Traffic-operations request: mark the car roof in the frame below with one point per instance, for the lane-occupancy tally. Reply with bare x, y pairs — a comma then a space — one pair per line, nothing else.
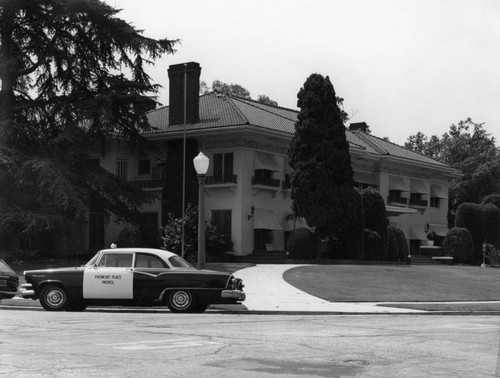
158, 252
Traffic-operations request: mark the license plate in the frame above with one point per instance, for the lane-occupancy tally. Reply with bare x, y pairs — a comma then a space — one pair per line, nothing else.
3, 283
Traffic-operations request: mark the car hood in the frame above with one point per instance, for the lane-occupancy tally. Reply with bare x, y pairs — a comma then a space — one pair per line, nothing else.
53, 270
7, 274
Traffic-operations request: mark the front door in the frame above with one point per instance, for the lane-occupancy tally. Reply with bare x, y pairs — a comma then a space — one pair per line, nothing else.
111, 278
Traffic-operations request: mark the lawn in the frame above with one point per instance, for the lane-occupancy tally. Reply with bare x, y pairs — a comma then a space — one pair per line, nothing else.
396, 283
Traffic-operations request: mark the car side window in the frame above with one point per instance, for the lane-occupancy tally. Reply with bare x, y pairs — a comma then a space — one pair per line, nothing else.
144, 260
116, 260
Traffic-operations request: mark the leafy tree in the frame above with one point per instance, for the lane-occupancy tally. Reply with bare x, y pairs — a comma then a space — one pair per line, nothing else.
322, 178
72, 73
469, 148
231, 89
374, 212
266, 100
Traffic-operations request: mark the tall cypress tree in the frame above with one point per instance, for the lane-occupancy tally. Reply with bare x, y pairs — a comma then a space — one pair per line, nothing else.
72, 73
322, 179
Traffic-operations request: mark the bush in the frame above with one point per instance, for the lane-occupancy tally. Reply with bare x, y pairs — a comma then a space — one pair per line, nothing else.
374, 213
493, 199
374, 246
392, 244
171, 236
492, 255
491, 215
403, 247
459, 244
302, 244
470, 216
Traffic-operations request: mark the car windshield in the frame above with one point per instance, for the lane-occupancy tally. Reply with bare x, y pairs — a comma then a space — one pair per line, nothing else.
4, 267
179, 262
93, 260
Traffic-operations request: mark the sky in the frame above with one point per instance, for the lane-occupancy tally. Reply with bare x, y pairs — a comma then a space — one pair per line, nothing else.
402, 66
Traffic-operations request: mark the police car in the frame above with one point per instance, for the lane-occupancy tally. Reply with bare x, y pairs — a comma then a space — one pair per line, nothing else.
132, 277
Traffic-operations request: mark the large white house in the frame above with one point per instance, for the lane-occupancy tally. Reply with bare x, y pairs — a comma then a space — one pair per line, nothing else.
247, 190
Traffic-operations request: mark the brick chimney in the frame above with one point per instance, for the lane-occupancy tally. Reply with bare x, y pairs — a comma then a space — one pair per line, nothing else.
358, 126
178, 75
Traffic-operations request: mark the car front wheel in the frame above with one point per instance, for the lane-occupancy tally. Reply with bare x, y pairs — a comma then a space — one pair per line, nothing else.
181, 301
54, 298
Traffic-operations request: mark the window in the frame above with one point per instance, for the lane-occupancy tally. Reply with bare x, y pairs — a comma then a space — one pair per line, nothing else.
114, 260
144, 167
122, 169
143, 260
223, 168
222, 220
435, 202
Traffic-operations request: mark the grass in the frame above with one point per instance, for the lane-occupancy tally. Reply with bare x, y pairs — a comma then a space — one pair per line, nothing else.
397, 283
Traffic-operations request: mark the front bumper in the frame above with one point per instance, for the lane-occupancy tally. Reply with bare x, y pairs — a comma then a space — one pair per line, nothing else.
7, 294
27, 291
233, 295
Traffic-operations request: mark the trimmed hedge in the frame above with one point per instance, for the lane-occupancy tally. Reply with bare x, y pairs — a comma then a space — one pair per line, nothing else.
470, 216
374, 246
491, 215
459, 244
302, 244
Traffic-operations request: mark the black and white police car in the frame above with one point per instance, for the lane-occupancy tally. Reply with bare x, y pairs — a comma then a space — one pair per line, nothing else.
132, 277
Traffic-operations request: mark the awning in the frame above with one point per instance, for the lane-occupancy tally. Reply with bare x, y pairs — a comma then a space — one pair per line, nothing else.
265, 219
417, 232
397, 183
438, 191
397, 210
439, 229
266, 161
290, 223
366, 178
418, 186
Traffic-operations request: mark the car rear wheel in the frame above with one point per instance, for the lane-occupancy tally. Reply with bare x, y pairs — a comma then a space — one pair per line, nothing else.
181, 301
54, 298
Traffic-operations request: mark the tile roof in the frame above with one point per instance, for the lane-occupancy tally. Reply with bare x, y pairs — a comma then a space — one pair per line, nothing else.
219, 111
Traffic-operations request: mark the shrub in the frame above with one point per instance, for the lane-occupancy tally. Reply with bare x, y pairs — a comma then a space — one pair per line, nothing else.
491, 215
392, 244
302, 244
470, 216
374, 246
494, 199
459, 244
403, 247
171, 236
374, 213
492, 255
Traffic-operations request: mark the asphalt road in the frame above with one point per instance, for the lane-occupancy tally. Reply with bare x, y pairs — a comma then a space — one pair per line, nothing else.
151, 343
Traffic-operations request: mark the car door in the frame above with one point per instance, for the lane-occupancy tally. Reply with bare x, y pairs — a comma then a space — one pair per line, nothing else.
148, 273
111, 278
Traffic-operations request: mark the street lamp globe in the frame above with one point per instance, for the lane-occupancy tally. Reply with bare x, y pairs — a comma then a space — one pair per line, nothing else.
201, 163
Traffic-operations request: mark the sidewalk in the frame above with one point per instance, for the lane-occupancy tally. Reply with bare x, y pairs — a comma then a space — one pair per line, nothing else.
266, 290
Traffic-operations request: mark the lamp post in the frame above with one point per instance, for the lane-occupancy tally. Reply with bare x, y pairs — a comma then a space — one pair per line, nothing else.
201, 163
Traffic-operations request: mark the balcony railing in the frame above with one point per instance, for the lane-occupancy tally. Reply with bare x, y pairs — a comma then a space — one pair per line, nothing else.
228, 179
418, 202
397, 200
266, 181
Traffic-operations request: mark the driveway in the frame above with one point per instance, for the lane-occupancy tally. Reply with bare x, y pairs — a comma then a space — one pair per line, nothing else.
266, 290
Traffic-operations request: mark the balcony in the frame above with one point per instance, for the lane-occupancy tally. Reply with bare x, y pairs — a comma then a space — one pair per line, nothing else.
228, 179
397, 200
266, 181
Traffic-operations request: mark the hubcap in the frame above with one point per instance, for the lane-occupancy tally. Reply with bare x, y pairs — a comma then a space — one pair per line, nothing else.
181, 299
55, 298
